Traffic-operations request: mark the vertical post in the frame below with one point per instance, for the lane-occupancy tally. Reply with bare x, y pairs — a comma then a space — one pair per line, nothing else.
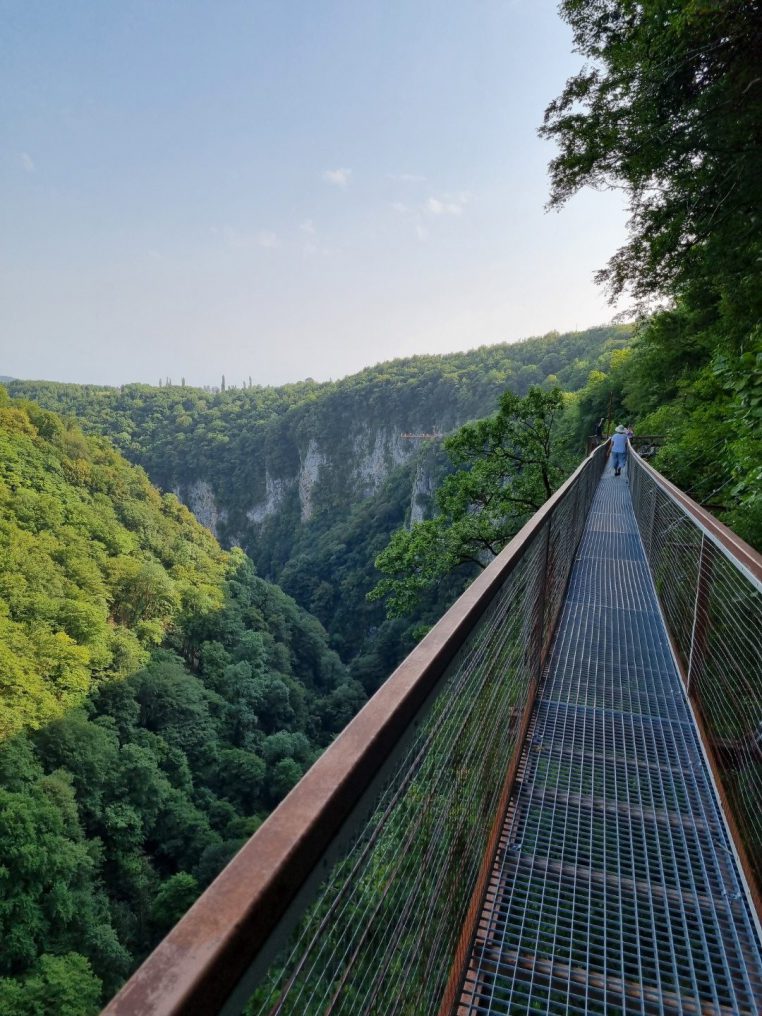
469, 931
651, 524
541, 597
700, 611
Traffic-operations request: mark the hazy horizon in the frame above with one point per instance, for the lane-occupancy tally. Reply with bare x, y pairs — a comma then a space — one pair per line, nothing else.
242, 382
283, 192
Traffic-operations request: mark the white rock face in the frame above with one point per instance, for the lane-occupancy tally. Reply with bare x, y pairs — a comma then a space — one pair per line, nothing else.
423, 488
275, 492
199, 497
309, 471
377, 452
364, 462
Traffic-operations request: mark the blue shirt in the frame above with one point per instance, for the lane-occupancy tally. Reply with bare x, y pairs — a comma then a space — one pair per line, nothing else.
619, 443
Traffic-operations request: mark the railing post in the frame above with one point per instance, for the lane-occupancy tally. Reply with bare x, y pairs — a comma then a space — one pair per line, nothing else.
700, 610
652, 522
449, 1003
541, 598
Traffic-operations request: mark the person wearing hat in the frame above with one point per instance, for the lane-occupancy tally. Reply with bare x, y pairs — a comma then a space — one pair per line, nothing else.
619, 448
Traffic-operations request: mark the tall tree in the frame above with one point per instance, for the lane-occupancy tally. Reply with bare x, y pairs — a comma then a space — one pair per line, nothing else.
670, 110
507, 466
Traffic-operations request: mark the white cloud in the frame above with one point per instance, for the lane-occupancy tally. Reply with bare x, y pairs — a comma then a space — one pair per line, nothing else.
27, 162
265, 238
312, 249
337, 177
420, 216
308, 227
446, 206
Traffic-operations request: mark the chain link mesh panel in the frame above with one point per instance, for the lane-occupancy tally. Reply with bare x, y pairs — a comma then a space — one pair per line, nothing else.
713, 610
614, 889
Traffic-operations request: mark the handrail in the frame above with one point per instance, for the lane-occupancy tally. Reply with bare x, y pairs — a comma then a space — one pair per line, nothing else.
593, 442
255, 902
742, 553
709, 584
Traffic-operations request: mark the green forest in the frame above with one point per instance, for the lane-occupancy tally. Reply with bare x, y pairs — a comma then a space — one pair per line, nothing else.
240, 440
163, 687
158, 699
668, 108
234, 438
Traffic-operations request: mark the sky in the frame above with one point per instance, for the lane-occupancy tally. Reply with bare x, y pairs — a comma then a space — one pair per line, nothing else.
281, 189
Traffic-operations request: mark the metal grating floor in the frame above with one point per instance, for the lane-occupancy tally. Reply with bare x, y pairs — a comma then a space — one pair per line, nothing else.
614, 889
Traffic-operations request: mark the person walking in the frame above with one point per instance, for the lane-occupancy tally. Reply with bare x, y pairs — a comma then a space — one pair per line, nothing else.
619, 441
599, 431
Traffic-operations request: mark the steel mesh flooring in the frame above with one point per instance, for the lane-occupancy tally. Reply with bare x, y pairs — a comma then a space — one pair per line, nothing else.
614, 889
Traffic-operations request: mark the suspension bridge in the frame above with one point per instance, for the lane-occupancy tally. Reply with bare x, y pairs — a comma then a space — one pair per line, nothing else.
554, 805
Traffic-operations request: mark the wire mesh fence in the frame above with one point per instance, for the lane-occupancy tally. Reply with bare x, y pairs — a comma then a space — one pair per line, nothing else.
383, 934
614, 889
712, 603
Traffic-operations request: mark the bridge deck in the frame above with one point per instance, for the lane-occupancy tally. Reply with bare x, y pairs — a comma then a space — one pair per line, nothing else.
614, 888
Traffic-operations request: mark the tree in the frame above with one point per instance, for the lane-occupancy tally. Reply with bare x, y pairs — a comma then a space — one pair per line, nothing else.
670, 109
142, 590
173, 898
64, 985
508, 466
286, 775
49, 899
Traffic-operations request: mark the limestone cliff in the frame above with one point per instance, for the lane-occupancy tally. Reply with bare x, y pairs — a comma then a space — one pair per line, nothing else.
200, 498
311, 479
328, 473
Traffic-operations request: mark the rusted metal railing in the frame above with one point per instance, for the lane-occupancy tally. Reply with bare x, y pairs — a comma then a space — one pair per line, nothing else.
709, 583
365, 882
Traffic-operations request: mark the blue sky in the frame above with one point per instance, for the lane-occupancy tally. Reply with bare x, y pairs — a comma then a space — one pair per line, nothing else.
282, 189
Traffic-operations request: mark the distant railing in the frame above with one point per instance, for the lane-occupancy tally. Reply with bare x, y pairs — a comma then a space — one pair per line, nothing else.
645, 444
709, 583
361, 891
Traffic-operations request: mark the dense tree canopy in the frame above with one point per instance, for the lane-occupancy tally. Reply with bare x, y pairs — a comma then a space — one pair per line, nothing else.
506, 467
157, 699
250, 443
236, 439
669, 108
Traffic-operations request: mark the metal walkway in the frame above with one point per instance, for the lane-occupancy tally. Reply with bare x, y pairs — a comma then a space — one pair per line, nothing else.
615, 888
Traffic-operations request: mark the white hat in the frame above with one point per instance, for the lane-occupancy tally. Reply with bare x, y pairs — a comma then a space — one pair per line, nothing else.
620, 429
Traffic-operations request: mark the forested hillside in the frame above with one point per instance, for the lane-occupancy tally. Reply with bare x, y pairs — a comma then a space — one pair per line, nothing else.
159, 695
312, 479
157, 700
246, 457
668, 108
